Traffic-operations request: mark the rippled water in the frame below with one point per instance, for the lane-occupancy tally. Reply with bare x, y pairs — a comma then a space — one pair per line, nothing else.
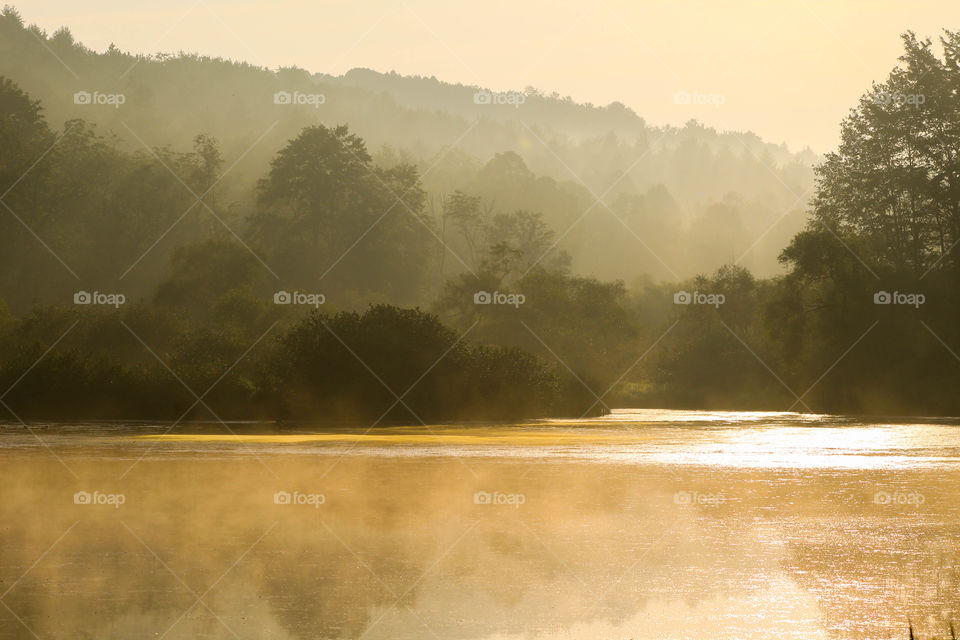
641, 524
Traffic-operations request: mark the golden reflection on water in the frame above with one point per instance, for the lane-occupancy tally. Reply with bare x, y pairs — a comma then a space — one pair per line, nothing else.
417, 435
462, 545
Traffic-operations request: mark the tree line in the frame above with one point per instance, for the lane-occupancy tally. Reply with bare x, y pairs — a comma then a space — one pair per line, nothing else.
470, 308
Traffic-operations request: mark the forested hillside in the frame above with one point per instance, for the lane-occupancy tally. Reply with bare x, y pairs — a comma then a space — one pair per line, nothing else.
675, 201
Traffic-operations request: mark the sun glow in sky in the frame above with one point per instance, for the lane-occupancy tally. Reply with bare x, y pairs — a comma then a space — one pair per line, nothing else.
788, 69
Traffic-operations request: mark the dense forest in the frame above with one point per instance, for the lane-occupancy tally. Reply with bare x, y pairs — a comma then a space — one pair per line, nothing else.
697, 197
182, 235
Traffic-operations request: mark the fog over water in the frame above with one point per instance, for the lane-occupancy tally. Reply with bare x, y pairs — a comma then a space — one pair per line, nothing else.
642, 524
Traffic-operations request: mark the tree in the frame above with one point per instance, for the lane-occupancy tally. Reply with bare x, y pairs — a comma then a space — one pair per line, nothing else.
894, 182
521, 241
886, 217
326, 210
471, 218
24, 134
317, 179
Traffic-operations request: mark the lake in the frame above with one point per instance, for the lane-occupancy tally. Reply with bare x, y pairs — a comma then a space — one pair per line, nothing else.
639, 524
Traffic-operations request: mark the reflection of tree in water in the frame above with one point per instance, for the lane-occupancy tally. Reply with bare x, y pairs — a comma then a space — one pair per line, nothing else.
602, 546
566, 562
569, 555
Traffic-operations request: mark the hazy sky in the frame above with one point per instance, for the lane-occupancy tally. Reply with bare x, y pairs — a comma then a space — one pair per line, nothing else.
786, 69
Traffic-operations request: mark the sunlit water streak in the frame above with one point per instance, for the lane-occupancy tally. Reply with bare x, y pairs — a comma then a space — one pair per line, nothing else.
771, 440
639, 524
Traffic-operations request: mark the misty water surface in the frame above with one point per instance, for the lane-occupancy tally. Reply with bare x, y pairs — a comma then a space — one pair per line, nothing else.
643, 524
